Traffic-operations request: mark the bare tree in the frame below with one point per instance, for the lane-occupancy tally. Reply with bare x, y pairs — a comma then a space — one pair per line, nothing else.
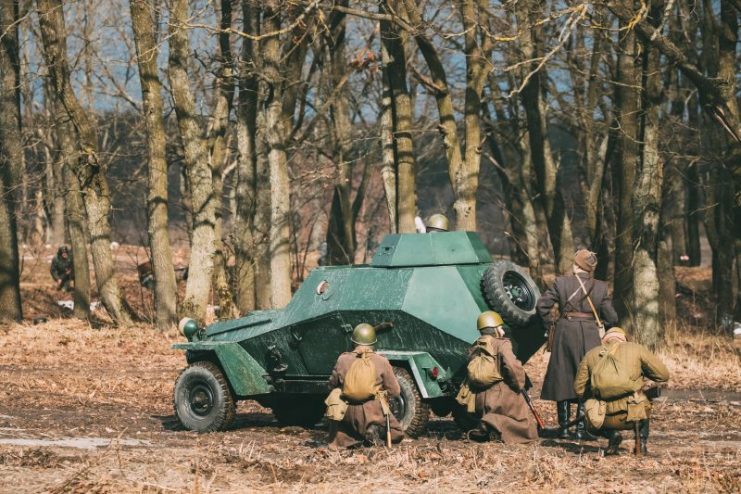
88, 169
11, 159
144, 16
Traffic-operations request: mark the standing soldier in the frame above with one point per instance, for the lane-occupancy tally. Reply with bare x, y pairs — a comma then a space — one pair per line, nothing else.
62, 269
583, 304
498, 379
611, 378
362, 382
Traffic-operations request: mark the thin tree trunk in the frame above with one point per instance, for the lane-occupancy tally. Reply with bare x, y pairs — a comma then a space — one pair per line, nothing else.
401, 104
197, 166
11, 159
246, 165
89, 170
646, 201
280, 260
388, 149
143, 19
627, 98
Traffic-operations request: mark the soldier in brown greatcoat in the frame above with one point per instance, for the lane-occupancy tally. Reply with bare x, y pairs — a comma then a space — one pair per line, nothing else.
622, 412
365, 422
503, 410
576, 333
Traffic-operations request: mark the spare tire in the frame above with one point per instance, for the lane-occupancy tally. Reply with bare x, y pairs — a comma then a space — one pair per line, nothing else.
509, 290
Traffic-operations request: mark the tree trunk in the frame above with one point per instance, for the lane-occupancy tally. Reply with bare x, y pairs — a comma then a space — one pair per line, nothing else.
197, 166
11, 159
388, 149
143, 20
646, 302
402, 114
280, 260
246, 166
627, 98
544, 165
89, 170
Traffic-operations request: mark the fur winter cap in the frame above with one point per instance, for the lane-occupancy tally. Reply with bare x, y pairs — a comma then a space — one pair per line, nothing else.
586, 260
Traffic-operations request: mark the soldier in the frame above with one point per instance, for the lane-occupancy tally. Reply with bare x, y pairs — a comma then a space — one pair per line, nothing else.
437, 223
503, 410
62, 269
580, 299
365, 419
631, 363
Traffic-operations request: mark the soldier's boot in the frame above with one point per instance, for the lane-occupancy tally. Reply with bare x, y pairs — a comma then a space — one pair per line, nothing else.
562, 407
480, 434
643, 433
581, 427
613, 443
373, 436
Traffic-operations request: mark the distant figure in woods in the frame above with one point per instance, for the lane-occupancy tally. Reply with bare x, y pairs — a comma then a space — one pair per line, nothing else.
580, 299
497, 379
63, 269
362, 384
611, 379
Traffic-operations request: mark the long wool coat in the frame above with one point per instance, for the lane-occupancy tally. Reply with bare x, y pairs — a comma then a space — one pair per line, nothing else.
575, 337
501, 406
351, 430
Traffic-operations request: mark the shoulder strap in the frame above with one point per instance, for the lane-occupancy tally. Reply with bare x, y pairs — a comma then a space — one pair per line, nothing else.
589, 299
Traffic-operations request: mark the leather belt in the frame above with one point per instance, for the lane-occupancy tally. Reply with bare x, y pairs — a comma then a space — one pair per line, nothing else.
578, 315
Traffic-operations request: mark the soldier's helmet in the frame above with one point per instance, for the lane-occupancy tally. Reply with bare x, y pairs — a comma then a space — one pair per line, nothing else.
364, 334
489, 319
437, 222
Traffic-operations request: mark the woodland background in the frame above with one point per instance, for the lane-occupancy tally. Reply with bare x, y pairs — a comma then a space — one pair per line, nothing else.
263, 134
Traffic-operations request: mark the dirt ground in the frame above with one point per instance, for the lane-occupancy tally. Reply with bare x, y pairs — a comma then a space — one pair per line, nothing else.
88, 408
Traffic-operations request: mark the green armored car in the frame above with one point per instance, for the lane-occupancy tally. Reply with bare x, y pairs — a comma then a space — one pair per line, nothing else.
422, 291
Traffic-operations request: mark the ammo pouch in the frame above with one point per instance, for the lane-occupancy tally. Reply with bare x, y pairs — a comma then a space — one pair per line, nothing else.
638, 407
336, 406
595, 411
466, 398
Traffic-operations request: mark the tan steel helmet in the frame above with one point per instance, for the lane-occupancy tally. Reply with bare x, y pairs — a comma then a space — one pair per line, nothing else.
437, 222
364, 334
489, 319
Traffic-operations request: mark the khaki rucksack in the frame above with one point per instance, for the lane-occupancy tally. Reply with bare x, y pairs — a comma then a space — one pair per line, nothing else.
483, 368
360, 380
610, 378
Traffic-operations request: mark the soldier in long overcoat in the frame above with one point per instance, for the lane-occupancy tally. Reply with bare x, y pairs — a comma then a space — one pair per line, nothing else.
622, 412
576, 333
503, 410
365, 422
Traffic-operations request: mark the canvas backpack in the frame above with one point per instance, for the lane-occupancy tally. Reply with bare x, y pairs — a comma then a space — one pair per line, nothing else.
610, 378
360, 380
484, 367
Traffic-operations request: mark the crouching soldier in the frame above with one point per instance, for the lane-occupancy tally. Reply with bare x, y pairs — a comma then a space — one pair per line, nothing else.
362, 382
498, 379
63, 269
611, 379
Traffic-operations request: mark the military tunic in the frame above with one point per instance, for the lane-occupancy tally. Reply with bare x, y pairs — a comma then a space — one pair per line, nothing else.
502, 406
574, 336
351, 430
621, 413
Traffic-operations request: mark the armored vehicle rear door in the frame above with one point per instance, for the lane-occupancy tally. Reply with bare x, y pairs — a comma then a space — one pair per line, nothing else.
320, 341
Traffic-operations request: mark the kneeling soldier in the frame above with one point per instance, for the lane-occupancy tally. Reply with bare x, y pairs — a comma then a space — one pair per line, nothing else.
362, 382
497, 378
611, 378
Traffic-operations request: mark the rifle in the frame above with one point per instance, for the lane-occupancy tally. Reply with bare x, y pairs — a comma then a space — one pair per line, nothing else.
541, 424
383, 398
637, 438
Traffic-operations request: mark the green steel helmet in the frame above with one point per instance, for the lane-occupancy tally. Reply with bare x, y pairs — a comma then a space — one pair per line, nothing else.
438, 222
364, 334
489, 319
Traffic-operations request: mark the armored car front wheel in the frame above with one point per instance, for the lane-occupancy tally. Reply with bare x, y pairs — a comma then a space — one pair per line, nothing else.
202, 400
408, 407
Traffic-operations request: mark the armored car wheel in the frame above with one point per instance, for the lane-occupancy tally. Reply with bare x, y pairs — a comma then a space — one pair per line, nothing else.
202, 400
408, 407
509, 290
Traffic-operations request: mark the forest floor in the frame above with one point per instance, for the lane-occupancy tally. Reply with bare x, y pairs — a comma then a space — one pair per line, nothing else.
88, 408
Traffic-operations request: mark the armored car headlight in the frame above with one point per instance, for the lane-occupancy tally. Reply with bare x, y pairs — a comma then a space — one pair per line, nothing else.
188, 327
